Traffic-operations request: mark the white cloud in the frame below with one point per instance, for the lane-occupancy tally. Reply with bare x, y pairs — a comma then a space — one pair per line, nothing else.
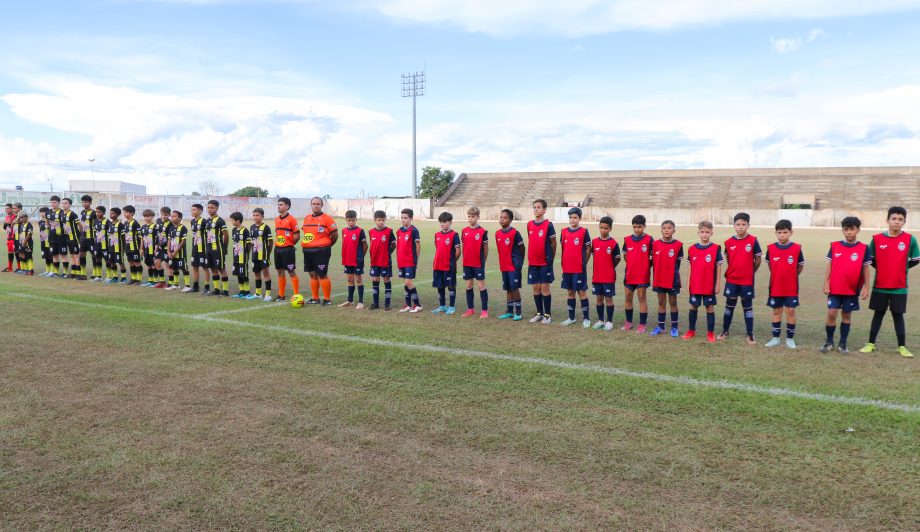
791, 44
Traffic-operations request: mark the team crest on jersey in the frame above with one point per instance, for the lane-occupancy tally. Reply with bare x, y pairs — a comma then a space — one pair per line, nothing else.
670, 252
708, 258
854, 257
902, 246
406, 238
576, 241
540, 233
790, 260
747, 248
320, 229
610, 251
354, 237
644, 248
477, 236
507, 241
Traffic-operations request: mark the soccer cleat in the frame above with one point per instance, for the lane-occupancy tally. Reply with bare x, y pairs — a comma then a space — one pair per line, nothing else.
842, 349
252, 297
225, 293
608, 326
689, 335
640, 329
506, 316
598, 325
7, 270
567, 322
868, 348
828, 346
374, 306
711, 337
345, 304
187, 289
537, 318
790, 343
484, 314
722, 336
280, 299
325, 303
237, 296
124, 280
469, 312
438, 310
108, 281
204, 292
407, 308
415, 310
313, 301
517, 317
267, 299
773, 342
626, 326
547, 319
902, 350
751, 340
450, 310
359, 306
161, 285
675, 332
656, 331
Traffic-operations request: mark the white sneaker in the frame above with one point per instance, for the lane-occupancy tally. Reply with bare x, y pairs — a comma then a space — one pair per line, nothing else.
359, 306
407, 308
772, 343
608, 326
173, 287
267, 298
416, 309
547, 320
790, 343
568, 322
598, 325
345, 304
537, 318
586, 324
187, 289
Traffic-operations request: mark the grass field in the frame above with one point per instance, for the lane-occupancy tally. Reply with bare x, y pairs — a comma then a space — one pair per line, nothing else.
125, 407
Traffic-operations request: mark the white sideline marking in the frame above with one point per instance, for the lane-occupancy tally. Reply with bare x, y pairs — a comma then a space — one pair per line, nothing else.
644, 375
416, 281
253, 305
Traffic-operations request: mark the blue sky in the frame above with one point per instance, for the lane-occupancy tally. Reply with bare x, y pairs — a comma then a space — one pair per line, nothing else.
303, 96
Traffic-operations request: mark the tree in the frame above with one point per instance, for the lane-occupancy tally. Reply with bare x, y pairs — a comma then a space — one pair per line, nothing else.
209, 188
435, 182
251, 192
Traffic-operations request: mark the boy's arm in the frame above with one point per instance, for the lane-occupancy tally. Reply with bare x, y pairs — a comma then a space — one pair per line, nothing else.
864, 293
718, 278
485, 248
827, 277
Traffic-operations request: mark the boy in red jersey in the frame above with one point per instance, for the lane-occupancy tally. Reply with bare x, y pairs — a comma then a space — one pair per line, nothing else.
705, 260
667, 254
444, 274
354, 248
576, 247
606, 252
383, 242
893, 253
845, 282
637, 248
786, 262
408, 248
511, 250
541, 250
475, 241
743, 253
8, 221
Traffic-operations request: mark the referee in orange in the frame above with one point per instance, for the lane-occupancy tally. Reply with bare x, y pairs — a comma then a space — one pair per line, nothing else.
319, 235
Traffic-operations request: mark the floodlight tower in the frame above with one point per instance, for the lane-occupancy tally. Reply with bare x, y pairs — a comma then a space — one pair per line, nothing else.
413, 86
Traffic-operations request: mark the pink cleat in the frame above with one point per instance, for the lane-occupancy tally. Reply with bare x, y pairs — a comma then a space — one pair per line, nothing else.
484, 314
626, 326
469, 312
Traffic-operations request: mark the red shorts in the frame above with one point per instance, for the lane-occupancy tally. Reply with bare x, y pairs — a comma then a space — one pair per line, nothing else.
10, 246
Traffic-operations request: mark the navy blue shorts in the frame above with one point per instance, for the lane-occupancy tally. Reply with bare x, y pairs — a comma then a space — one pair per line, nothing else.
739, 290
381, 271
354, 270
540, 274
780, 302
634, 287
511, 280
443, 279
575, 281
669, 291
407, 273
471, 272
845, 303
702, 301
604, 289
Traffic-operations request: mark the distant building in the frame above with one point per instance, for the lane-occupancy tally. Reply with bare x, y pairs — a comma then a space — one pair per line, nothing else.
110, 186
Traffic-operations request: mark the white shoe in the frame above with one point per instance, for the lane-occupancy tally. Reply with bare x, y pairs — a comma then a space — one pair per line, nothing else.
568, 322
537, 318
416, 309
173, 287
359, 306
407, 308
608, 326
187, 289
547, 320
345, 304
586, 324
267, 298
772, 343
790, 343
599, 325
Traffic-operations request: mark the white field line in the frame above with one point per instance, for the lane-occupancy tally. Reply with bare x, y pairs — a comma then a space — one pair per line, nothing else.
416, 281
592, 368
253, 305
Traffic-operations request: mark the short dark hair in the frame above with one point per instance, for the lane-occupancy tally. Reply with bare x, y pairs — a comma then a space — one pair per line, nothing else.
238, 216
509, 212
850, 221
742, 216
99, 208
380, 214
116, 210
214, 202
351, 214
130, 208
65, 198
17, 205
53, 198
638, 220
897, 210
43, 209
705, 223
148, 212
259, 210
606, 220
86, 197
668, 222
407, 212
10, 205
178, 213
540, 201
445, 217
165, 210
784, 225
286, 201
576, 211
198, 206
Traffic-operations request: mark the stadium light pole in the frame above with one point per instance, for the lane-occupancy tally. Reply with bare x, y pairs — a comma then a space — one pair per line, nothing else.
413, 86
92, 169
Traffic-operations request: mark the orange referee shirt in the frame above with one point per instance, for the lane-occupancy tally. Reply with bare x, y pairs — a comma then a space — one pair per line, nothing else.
317, 230
284, 231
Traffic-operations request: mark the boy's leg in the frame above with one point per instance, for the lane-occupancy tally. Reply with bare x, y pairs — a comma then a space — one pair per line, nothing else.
351, 287
628, 306
483, 295
830, 328
547, 299
643, 306
599, 307
691, 321
282, 283
730, 304
609, 304
375, 291
571, 305
516, 299
387, 292
359, 282
845, 321
585, 306
675, 314
662, 309
747, 305
899, 330
710, 319
452, 296
470, 305
538, 298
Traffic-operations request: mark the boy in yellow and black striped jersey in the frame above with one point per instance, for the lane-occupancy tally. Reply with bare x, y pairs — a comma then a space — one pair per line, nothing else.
24, 245
87, 237
161, 243
199, 260
43, 240
70, 224
115, 232
149, 246
101, 244
242, 248
262, 244
175, 250
133, 245
217, 239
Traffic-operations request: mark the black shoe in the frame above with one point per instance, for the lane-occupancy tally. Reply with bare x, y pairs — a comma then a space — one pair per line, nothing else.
280, 299
225, 293
326, 303
374, 306
386, 308
207, 293
312, 301
842, 349
828, 346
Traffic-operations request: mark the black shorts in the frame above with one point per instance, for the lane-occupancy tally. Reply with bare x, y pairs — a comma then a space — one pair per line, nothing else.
99, 253
46, 253
161, 254
199, 260
285, 258
73, 247
882, 302
148, 260
215, 259
115, 257
86, 245
133, 256
177, 264
259, 265
59, 247
317, 260
240, 270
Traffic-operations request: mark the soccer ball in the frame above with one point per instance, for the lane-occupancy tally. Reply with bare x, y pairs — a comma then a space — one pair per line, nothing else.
297, 301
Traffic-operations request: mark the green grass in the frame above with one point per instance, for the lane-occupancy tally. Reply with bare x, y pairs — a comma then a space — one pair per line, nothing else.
148, 419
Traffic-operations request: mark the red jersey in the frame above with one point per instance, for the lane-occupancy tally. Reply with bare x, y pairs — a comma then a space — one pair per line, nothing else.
445, 251
704, 262
638, 252
741, 253
605, 251
576, 244
406, 253
382, 243
784, 262
352, 250
666, 257
847, 262
890, 256
8, 222
508, 242
539, 235
474, 241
